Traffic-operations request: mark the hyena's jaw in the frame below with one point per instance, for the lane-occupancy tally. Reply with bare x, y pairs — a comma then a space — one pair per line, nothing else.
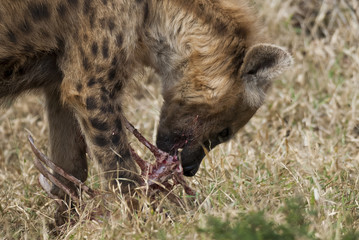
186, 136
192, 157
190, 153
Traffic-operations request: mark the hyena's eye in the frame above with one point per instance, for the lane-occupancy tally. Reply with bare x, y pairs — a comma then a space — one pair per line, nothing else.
224, 134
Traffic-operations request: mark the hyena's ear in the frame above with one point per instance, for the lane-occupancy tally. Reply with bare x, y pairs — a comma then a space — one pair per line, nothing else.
262, 63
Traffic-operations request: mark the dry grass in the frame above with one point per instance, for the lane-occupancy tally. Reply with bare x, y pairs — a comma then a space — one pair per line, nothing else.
303, 143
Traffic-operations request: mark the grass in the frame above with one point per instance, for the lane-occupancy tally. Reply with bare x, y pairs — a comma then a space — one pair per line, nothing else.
291, 173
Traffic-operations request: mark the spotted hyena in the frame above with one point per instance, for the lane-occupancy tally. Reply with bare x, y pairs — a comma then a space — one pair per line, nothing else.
210, 54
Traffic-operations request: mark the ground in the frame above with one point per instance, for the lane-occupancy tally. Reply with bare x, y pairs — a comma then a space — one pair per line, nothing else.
299, 154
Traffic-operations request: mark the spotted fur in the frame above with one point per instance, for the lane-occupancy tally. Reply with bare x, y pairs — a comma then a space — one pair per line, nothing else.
209, 54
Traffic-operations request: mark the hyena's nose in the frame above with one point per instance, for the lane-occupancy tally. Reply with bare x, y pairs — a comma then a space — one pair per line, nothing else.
190, 171
191, 159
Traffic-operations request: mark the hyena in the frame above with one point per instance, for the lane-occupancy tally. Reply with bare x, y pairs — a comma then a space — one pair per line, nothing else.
210, 54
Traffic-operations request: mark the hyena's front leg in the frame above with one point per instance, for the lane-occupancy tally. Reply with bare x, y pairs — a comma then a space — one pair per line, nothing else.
100, 116
67, 146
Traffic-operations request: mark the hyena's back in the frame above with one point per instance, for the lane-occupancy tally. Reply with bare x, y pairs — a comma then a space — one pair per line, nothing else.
32, 37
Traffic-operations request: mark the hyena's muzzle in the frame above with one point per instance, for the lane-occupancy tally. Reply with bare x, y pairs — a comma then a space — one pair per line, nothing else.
191, 153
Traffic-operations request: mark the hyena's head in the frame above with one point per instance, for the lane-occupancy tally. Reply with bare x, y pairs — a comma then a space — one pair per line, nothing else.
215, 71
214, 99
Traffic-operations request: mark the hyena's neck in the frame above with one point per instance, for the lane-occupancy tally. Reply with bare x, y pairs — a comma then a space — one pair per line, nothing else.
179, 32
162, 47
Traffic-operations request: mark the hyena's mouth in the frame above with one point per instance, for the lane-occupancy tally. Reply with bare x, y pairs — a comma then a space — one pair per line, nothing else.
191, 158
190, 171
188, 151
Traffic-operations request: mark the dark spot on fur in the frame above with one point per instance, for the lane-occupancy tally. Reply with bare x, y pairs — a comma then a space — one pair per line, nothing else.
39, 11
8, 72
118, 86
44, 33
91, 82
100, 141
25, 27
115, 90
85, 63
11, 36
86, 37
240, 32
237, 61
98, 124
73, 3
82, 53
114, 61
104, 2
125, 155
122, 55
107, 109
115, 139
112, 74
92, 20
103, 109
117, 159
6, 60
208, 18
100, 80
79, 87
21, 70
220, 26
139, 1
119, 40
111, 24
105, 48
87, 6
179, 29
146, 12
91, 103
118, 108
61, 10
118, 124
28, 48
60, 43
113, 94
102, 22
94, 49
99, 69
104, 98
104, 90
110, 109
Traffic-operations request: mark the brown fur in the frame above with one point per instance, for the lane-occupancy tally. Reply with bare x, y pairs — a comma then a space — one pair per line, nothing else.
215, 72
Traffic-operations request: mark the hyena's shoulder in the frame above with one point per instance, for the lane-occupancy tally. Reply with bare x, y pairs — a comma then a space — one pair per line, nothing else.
36, 34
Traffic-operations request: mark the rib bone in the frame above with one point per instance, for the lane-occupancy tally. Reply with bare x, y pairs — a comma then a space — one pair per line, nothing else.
156, 176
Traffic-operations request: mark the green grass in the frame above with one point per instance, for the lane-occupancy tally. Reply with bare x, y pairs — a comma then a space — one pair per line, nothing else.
256, 226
